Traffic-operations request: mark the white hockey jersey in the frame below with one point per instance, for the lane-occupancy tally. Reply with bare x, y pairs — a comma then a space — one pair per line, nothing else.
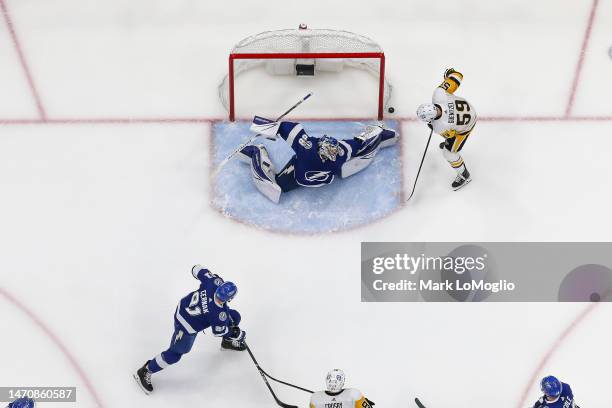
347, 398
458, 116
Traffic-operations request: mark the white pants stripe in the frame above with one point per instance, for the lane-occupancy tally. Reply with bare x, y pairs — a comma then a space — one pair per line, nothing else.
160, 361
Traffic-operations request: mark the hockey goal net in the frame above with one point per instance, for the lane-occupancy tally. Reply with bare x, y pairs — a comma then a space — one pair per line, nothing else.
305, 51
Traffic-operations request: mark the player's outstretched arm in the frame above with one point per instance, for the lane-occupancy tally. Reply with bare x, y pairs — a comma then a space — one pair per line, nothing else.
452, 80
289, 131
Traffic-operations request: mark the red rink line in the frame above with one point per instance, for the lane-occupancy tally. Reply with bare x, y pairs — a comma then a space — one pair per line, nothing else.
55, 339
105, 121
585, 45
196, 120
22, 60
537, 372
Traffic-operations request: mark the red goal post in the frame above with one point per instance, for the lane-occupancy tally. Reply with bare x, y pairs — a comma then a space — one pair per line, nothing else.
305, 52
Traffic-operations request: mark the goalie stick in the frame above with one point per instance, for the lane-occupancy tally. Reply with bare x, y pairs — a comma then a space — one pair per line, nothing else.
228, 158
419, 172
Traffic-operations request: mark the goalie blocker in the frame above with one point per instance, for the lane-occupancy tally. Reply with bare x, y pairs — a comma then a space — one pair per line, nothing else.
317, 161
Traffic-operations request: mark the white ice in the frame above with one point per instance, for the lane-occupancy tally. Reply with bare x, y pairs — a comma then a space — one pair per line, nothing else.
100, 223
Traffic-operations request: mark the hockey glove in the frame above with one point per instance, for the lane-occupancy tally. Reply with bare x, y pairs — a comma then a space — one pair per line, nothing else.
265, 127
448, 72
236, 334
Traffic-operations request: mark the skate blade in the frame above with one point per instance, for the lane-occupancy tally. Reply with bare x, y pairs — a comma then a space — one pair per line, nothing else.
139, 384
463, 185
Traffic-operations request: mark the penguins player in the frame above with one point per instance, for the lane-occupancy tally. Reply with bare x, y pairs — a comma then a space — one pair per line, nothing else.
336, 396
453, 118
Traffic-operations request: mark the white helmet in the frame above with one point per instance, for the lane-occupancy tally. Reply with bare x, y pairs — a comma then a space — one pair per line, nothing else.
427, 112
334, 381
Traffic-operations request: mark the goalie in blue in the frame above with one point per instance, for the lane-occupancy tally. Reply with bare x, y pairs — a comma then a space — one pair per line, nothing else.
206, 307
316, 162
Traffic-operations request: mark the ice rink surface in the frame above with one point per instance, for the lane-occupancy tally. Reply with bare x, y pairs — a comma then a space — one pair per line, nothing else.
105, 141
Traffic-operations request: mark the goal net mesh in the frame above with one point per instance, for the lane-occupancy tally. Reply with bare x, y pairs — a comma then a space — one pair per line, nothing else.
304, 42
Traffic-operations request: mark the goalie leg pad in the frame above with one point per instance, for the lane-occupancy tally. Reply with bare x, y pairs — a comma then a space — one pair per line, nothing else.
364, 148
369, 136
262, 171
356, 164
244, 155
388, 138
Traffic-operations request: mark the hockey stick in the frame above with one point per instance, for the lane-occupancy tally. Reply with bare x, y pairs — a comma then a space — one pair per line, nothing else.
279, 402
228, 158
419, 403
285, 383
419, 172
263, 375
261, 370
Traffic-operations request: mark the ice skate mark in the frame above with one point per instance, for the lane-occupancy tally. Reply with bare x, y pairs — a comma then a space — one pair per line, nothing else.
555, 346
583, 49
55, 339
24, 65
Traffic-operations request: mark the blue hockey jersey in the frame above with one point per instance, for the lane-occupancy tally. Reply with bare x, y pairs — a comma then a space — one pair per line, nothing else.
565, 400
198, 310
309, 169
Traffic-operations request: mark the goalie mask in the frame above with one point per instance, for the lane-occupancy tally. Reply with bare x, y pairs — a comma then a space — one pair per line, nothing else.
329, 148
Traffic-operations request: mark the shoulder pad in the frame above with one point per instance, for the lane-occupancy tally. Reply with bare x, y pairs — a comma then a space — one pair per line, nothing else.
354, 393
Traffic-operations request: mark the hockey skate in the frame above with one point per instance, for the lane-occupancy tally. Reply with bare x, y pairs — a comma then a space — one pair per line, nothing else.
143, 379
461, 180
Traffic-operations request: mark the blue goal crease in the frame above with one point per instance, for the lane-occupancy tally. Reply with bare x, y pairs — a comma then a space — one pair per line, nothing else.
347, 203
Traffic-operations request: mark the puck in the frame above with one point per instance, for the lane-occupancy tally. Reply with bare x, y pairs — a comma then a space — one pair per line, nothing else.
392, 109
